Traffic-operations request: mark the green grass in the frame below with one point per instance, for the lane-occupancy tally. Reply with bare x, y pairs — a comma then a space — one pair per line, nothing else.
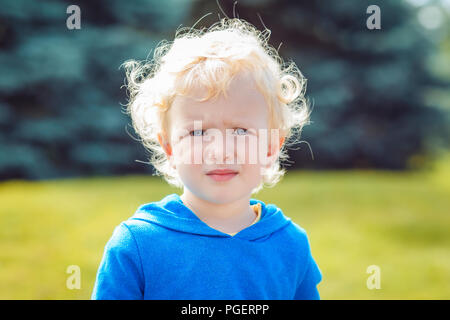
354, 219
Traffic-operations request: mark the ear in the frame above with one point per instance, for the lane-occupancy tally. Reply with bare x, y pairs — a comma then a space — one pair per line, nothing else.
165, 145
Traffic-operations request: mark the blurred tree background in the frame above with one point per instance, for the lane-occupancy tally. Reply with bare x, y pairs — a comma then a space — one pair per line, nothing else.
380, 100
380, 97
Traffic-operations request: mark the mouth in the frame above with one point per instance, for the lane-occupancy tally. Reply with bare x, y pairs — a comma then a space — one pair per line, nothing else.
222, 175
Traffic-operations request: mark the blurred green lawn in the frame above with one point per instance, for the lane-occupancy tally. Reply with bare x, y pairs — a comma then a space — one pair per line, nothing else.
354, 219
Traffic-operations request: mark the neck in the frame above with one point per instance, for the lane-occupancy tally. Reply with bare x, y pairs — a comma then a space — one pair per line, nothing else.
227, 217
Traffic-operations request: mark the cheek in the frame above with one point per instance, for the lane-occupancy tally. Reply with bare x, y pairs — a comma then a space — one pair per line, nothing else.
251, 171
188, 170
184, 153
251, 151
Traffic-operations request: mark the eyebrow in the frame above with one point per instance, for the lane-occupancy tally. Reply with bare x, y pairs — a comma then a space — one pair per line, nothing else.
190, 122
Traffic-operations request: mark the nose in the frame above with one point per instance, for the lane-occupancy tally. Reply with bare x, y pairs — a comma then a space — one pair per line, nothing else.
220, 150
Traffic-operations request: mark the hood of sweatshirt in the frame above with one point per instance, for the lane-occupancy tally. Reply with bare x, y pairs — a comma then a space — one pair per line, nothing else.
171, 213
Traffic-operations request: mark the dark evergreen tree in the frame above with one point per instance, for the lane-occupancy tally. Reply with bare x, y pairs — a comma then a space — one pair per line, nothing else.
365, 86
60, 96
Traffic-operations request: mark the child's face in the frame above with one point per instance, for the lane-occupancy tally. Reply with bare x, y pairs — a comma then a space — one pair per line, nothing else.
220, 140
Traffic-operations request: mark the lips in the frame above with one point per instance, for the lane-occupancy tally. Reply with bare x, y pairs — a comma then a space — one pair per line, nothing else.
222, 174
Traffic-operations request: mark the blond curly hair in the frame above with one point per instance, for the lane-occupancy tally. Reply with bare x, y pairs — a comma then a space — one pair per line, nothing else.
212, 57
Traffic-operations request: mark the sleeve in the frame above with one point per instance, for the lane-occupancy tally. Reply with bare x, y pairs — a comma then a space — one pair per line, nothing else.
307, 289
120, 275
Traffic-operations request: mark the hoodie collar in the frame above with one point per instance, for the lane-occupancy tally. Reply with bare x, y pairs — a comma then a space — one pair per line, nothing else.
170, 212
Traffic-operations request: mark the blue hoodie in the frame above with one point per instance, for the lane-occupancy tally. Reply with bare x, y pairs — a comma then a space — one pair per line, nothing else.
164, 251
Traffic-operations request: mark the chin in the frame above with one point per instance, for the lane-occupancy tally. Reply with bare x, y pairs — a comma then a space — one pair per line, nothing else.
221, 195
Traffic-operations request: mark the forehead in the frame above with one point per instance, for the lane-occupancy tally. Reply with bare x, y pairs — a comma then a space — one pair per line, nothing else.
243, 104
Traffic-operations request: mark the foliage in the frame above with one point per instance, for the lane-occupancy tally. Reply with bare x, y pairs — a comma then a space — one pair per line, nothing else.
61, 111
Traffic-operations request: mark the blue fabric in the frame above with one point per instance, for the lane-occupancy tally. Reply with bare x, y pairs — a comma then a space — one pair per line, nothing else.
164, 251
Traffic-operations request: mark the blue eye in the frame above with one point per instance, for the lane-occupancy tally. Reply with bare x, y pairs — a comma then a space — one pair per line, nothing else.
196, 132
241, 131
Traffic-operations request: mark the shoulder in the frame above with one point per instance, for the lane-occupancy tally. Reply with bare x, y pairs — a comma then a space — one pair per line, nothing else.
297, 233
130, 235
130, 242
296, 239
122, 240
142, 234
139, 227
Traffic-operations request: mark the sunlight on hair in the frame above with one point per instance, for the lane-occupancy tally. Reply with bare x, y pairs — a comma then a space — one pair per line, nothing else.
211, 58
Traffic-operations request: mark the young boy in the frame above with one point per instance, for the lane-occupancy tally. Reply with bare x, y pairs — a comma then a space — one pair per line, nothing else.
215, 108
